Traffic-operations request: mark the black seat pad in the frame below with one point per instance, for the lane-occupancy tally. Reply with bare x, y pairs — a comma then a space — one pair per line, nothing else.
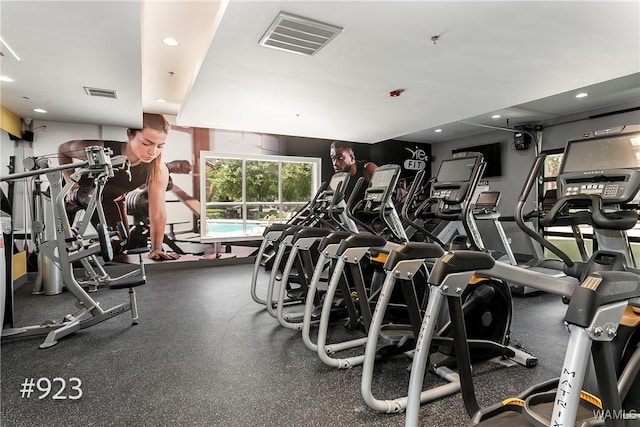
362, 241
413, 250
335, 237
311, 232
459, 261
276, 227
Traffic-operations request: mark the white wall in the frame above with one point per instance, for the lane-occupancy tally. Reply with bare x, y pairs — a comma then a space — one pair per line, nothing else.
235, 142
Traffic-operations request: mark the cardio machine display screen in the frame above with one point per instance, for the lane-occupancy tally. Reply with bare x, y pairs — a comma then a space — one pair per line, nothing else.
607, 153
459, 169
488, 199
336, 179
383, 178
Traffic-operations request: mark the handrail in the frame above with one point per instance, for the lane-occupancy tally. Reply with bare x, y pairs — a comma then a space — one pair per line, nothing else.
532, 178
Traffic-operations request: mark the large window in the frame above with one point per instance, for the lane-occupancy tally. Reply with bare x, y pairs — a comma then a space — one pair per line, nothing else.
243, 195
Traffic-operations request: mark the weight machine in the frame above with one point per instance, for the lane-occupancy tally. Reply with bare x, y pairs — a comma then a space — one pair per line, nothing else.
74, 245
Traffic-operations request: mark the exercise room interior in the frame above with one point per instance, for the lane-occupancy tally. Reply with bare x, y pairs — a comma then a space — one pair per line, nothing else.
336, 173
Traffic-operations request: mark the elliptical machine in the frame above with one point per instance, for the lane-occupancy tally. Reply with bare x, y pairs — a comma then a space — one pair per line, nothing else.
384, 212
487, 304
598, 180
267, 254
377, 214
301, 243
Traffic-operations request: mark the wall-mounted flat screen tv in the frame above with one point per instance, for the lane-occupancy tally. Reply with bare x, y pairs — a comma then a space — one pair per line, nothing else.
492, 154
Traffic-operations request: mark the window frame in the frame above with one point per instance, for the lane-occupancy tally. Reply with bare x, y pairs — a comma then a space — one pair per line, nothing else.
243, 235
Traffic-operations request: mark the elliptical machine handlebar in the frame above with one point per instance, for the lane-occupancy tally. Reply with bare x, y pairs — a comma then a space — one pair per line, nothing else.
537, 166
465, 206
415, 186
310, 205
621, 220
333, 208
352, 205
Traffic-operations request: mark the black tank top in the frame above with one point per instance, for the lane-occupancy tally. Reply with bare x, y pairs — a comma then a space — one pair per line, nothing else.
120, 183
354, 179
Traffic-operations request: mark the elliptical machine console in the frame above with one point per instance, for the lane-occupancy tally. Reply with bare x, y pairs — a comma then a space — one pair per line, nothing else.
598, 181
454, 178
337, 186
451, 192
606, 166
377, 203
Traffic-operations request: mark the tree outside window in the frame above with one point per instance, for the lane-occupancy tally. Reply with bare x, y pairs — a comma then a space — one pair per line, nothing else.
296, 182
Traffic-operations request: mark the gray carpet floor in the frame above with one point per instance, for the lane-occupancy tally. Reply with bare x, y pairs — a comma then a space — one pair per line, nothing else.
205, 354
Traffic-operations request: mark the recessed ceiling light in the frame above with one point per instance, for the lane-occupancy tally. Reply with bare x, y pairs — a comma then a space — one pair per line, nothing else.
6, 79
438, 130
169, 41
161, 100
582, 95
496, 116
39, 110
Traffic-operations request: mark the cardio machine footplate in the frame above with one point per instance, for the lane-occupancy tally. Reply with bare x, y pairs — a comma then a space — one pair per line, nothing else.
538, 407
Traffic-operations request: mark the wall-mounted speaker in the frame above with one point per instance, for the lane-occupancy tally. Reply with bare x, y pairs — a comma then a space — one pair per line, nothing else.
522, 140
27, 135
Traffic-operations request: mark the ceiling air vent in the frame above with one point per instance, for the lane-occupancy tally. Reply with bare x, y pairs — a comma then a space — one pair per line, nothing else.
298, 35
105, 93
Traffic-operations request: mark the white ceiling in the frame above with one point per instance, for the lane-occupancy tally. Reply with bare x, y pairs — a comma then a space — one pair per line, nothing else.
523, 60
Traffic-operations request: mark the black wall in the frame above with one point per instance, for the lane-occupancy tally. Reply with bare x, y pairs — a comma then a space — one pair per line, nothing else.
402, 153
311, 147
382, 153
